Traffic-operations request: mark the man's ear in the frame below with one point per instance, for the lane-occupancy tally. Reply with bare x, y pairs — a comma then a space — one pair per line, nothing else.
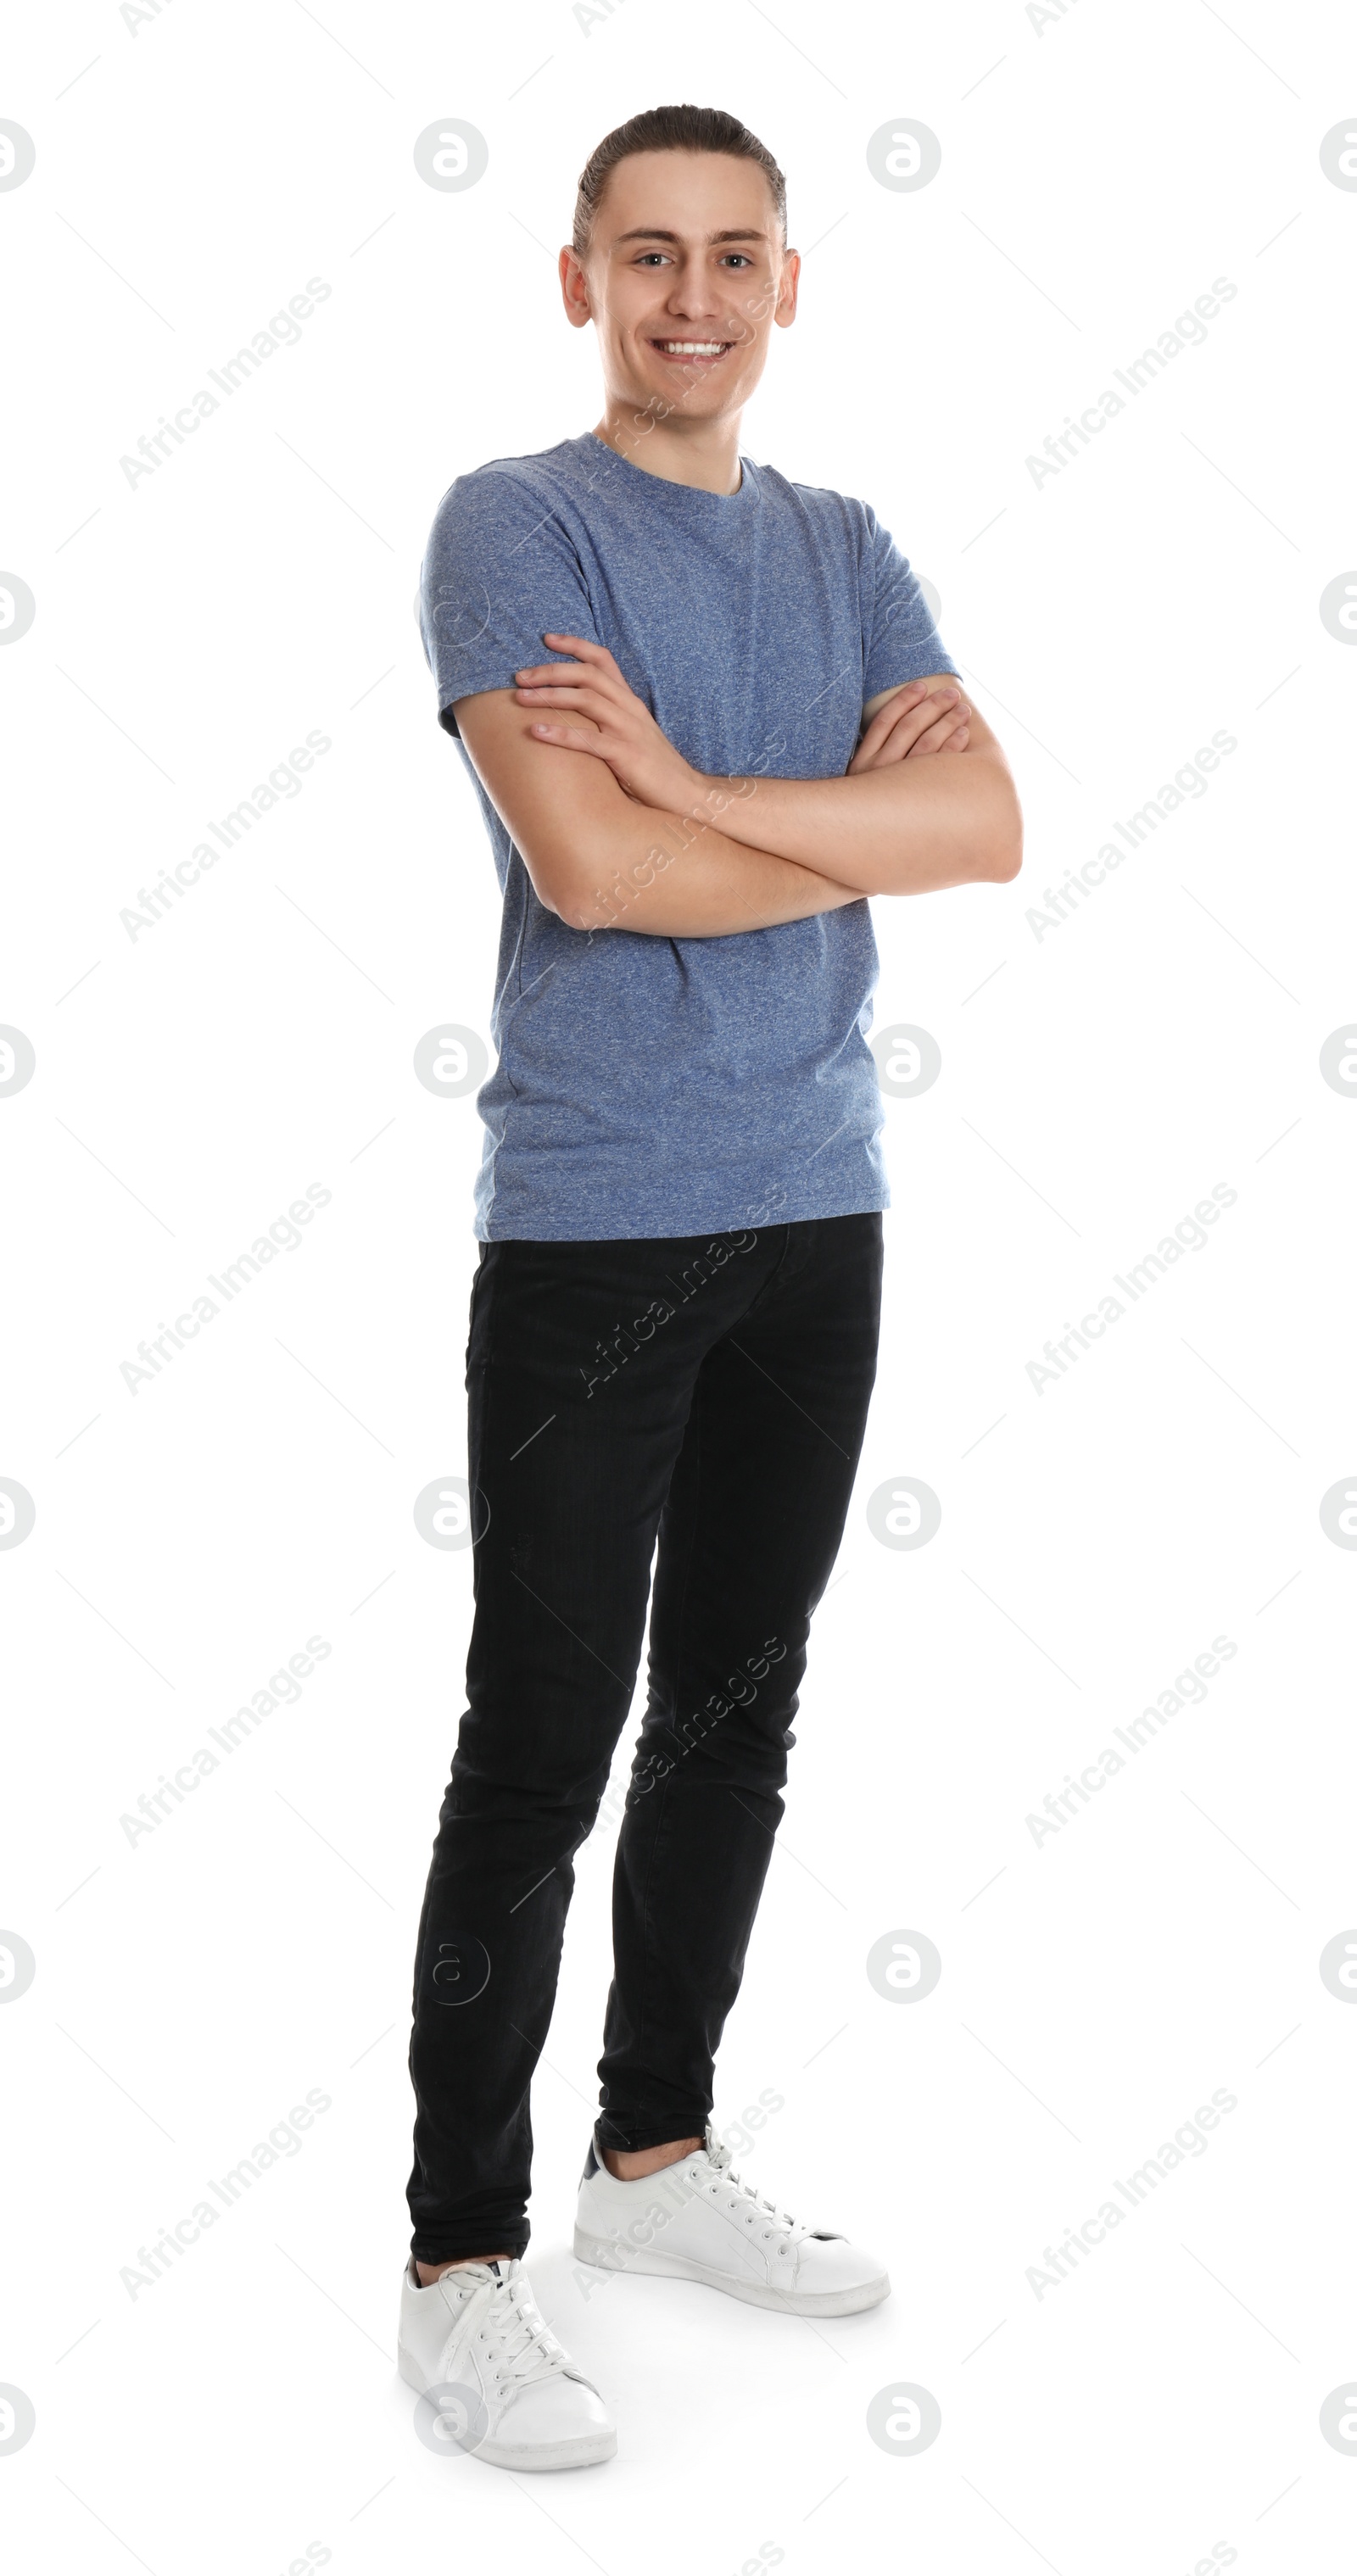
785, 309
574, 288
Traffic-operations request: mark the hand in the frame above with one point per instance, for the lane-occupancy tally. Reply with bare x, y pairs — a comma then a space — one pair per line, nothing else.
914, 720
622, 731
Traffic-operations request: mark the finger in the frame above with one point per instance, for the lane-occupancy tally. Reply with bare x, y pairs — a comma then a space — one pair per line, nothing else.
937, 735
553, 675
568, 739
583, 647
919, 727
881, 758
599, 694
584, 701
897, 705
892, 747
879, 754
950, 725
909, 728
557, 677
923, 711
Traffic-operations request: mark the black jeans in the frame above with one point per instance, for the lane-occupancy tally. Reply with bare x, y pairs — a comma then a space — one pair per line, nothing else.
711, 1391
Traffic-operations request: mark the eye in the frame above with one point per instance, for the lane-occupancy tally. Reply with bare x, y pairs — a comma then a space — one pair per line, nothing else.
739, 258
655, 256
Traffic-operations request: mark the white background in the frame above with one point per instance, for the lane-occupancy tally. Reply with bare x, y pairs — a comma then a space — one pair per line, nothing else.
1098, 172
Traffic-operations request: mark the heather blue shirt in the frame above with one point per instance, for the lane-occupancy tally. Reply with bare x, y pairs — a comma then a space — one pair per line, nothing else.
651, 1086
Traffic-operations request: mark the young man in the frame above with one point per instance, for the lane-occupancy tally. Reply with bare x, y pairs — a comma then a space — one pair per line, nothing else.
707, 715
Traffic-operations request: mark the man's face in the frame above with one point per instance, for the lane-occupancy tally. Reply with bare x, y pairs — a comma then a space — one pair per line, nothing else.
684, 281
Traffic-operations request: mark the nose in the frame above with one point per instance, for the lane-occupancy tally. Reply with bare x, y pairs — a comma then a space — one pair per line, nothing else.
692, 295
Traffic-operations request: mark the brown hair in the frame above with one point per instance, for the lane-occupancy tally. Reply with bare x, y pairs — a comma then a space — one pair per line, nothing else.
671, 129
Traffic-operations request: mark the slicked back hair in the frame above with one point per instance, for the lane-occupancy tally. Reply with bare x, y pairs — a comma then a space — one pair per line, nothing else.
671, 129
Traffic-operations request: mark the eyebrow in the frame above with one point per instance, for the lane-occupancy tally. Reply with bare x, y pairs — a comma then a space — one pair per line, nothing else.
656, 232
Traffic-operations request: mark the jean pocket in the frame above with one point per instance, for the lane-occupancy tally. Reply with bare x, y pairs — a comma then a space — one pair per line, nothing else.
477, 1327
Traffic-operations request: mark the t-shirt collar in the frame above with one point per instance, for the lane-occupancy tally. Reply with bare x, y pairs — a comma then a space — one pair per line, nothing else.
594, 449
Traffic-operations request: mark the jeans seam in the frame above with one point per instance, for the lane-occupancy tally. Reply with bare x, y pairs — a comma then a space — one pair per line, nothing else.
769, 1284
680, 1630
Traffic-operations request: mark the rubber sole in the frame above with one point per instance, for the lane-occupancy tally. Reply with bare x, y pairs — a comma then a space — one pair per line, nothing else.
553, 2455
587, 2452
755, 2294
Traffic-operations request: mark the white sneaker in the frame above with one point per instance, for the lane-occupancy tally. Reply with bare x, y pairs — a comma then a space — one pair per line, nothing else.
696, 2221
495, 2380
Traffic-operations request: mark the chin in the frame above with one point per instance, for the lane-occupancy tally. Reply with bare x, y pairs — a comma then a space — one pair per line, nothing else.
698, 397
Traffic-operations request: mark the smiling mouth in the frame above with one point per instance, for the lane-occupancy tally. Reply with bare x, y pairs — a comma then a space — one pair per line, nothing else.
694, 352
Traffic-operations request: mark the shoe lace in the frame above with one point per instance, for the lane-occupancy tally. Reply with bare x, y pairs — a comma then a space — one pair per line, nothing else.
719, 2156
524, 2343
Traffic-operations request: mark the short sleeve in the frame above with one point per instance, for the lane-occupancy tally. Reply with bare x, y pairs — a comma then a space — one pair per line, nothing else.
901, 641
499, 571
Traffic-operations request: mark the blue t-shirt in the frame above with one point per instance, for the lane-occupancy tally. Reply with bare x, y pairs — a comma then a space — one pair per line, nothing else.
650, 1086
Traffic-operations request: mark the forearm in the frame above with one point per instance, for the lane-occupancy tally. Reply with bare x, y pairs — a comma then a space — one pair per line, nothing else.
911, 828
679, 877
927, 801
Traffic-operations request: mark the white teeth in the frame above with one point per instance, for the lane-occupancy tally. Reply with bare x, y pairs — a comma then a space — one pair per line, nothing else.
694, 348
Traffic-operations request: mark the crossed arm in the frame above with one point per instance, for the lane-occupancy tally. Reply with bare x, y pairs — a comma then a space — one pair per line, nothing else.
617, 830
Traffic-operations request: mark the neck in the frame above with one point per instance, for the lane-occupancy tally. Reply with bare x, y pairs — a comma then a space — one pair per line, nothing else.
702, 453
